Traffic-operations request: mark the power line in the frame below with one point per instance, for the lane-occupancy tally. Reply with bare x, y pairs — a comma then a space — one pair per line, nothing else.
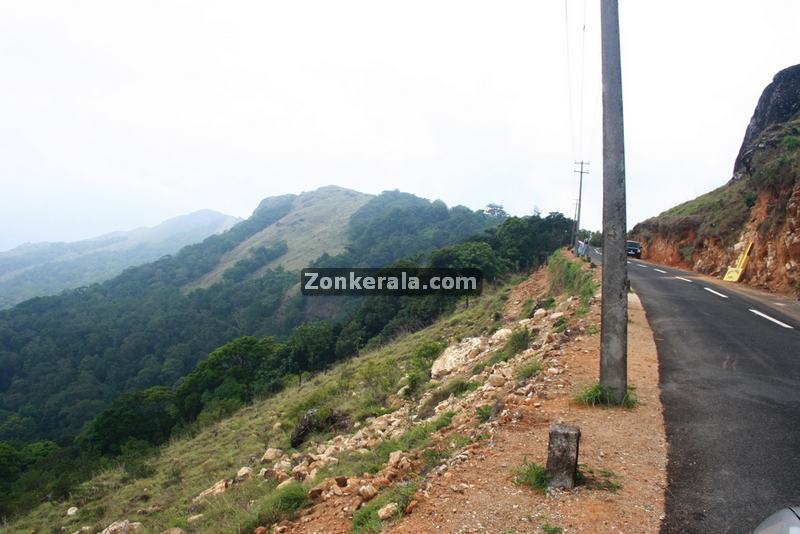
569, 80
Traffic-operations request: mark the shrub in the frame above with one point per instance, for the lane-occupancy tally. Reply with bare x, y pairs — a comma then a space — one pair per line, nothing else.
567, 276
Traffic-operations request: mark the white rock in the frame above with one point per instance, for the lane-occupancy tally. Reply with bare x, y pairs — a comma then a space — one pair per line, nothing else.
72, 510
271, 455
388, 511
454, 356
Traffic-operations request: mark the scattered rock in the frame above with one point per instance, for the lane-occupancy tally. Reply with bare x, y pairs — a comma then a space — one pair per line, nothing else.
341, 481
123, 527
261, 530
541, 312
174, 530
284, 483
243, 474
271, 455
388, 511
497, 380
411, 505
367, 492
72, 510
216, 489
394, 458
195, 518
455, 356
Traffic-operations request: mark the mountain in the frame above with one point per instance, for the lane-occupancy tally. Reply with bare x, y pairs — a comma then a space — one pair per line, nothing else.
39, 269
65, 358
759, 205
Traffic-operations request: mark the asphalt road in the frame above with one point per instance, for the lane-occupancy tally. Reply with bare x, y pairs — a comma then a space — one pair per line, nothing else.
729, 362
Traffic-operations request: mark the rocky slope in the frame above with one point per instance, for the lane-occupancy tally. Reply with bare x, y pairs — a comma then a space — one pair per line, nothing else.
440, 453
759, 204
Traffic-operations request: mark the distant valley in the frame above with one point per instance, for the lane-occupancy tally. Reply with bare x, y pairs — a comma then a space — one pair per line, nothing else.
40, 269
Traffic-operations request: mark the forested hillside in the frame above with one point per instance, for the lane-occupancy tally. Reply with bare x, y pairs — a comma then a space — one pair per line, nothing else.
38, 269
133, 427
63, 359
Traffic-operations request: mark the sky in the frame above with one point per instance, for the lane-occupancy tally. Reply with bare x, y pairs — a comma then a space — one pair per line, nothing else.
115, 115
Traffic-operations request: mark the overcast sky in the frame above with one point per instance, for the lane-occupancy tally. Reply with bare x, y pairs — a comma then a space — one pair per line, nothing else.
117, 114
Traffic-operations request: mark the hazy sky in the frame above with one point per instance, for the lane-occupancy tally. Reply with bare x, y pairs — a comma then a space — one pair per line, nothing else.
120, 114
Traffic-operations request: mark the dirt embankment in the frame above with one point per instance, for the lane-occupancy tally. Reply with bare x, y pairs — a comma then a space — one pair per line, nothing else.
772, 227
473, 485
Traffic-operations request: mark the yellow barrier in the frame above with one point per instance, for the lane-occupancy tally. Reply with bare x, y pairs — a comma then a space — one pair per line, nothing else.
735, 272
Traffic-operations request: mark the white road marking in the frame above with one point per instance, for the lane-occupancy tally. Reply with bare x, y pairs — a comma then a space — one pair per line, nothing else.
765, 316
642, 265
717, 293
684, 279
780, 304
598, 252
659, 271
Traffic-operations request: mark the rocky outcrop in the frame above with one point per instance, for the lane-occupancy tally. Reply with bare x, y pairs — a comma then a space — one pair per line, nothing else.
759, 205
779, 103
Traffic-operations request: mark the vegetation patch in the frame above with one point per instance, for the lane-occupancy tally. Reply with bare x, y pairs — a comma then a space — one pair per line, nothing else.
532, 475
529, 369
598, 395
569, 277
600, 479
366, 520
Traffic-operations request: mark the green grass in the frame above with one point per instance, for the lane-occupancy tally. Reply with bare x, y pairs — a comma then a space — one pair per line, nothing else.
527, 309
516, 343
551, 529
561, 324
484, 413
366, 520
191, 462
532, 475
592, 330
598, 395
569, 276
283, 504
600, 479
529, 369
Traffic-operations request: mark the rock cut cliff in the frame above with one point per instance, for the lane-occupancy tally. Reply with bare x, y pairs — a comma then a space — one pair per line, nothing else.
760, 204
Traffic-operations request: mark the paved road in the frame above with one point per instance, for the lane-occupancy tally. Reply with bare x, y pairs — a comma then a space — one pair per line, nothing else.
730, 385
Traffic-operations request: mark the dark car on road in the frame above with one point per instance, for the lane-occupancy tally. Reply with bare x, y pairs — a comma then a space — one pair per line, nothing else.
634, 248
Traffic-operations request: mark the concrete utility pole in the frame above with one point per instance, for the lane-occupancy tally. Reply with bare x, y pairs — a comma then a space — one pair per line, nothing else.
580, 198
614, 331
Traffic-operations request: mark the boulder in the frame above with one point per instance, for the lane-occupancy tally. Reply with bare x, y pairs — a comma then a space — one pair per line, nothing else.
271, 455
455, 356
243, 474
216, 489
367, 492
394, 458
388, 511
497, 380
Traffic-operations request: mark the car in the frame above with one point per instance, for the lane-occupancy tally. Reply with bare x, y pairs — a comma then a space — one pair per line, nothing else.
634, 248
785, 521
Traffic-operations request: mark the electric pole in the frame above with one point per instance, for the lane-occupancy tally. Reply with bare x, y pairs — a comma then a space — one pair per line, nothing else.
614, 330
580, 197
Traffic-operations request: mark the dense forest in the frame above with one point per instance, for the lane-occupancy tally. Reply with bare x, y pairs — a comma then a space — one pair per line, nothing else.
63, 359
251, 366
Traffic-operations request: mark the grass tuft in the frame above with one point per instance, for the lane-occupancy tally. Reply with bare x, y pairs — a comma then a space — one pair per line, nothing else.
529, 369
532, 475
598, 395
